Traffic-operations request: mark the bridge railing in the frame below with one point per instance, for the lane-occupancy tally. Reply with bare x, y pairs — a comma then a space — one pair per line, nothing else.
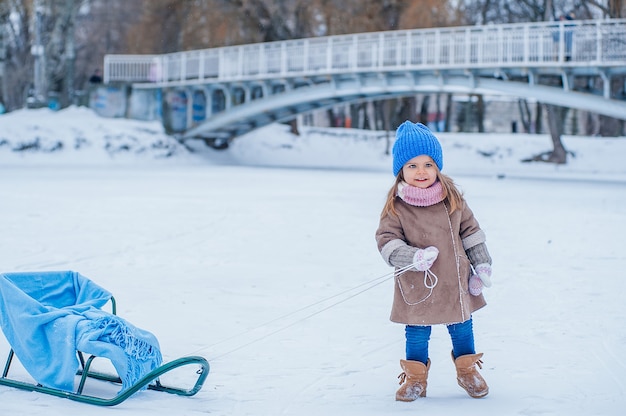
589, 42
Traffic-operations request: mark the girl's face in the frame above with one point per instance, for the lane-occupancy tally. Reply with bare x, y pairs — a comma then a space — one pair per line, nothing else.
420, 171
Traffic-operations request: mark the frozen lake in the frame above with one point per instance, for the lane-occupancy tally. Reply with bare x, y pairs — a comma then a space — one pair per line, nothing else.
259, 270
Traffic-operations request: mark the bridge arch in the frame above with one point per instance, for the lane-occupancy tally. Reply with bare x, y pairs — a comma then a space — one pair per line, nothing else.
282, 107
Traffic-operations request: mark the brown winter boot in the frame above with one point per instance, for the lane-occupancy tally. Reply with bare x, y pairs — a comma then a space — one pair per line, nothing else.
413, 380
468, 377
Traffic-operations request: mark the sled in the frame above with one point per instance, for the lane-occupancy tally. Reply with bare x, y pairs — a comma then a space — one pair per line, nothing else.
56, 293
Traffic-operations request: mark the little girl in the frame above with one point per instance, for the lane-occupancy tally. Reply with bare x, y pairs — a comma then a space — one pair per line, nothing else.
429, 234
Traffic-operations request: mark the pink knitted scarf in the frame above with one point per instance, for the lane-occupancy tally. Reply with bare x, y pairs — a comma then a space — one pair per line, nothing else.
419, 197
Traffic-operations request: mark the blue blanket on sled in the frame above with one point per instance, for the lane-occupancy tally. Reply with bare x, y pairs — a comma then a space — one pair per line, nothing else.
47, 316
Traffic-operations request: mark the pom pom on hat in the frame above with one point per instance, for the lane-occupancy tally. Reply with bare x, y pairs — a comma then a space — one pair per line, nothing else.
412, 140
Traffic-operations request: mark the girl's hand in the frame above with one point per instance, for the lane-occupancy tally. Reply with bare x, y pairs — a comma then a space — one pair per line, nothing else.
423, 259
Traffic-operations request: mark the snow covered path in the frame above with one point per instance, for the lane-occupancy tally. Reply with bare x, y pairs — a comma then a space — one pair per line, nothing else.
207, 257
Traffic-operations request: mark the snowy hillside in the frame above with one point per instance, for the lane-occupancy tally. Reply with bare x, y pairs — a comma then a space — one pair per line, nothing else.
77, 135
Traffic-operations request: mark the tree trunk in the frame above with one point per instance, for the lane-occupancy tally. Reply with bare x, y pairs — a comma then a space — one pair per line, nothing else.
70, 56
525, 115
558, 154
405, 110
616, 8
438, 113
293, 124
480, 113
465, 116
609, 126
539, 119
368, 113
387, 109
3, 54
354, 115
423, 117
556, 116
448, 124
331, 117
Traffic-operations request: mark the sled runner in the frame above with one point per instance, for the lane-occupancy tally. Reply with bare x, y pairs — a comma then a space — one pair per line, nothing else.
53, 320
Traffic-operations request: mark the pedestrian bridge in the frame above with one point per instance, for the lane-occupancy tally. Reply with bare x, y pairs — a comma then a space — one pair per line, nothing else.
220, 93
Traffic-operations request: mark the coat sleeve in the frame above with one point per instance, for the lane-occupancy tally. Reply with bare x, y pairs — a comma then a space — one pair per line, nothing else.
390, 237
469, 229
473, 238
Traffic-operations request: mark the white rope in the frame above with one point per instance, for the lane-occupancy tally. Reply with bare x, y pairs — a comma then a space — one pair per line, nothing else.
369, 285
428, 276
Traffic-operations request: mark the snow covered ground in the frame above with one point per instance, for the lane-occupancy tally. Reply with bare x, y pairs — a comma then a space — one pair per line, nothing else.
262, 259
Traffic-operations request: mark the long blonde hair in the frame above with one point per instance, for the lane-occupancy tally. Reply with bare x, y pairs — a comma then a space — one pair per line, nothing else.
450, 192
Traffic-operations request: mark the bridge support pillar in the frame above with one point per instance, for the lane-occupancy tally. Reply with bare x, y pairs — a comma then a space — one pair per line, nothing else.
565, 79
208, 93
606, 84
189, 94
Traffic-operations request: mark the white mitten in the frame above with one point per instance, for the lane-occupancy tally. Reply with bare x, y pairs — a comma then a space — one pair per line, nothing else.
424, 258
483, 271
475, 285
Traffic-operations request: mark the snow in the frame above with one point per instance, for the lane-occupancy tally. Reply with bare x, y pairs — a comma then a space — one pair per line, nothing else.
262, 259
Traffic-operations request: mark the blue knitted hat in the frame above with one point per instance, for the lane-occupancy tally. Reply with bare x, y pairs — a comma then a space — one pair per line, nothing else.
412, 140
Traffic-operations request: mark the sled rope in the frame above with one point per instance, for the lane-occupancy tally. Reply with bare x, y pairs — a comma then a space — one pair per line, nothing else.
367, 286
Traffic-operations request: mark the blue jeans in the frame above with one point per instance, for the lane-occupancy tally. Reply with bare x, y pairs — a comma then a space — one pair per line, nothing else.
417, 338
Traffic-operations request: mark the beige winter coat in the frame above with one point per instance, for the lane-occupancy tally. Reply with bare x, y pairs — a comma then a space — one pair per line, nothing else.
449, 301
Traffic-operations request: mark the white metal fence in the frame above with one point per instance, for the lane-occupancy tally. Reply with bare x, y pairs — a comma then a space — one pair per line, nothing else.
600, 43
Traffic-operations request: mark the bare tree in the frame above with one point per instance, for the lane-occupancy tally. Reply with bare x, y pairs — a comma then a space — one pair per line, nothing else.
78, 33
503, 11
558, 154
17, 77
610, 8
4, 17
169, 25
525, 114
103, 27
60, 50
57, 44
